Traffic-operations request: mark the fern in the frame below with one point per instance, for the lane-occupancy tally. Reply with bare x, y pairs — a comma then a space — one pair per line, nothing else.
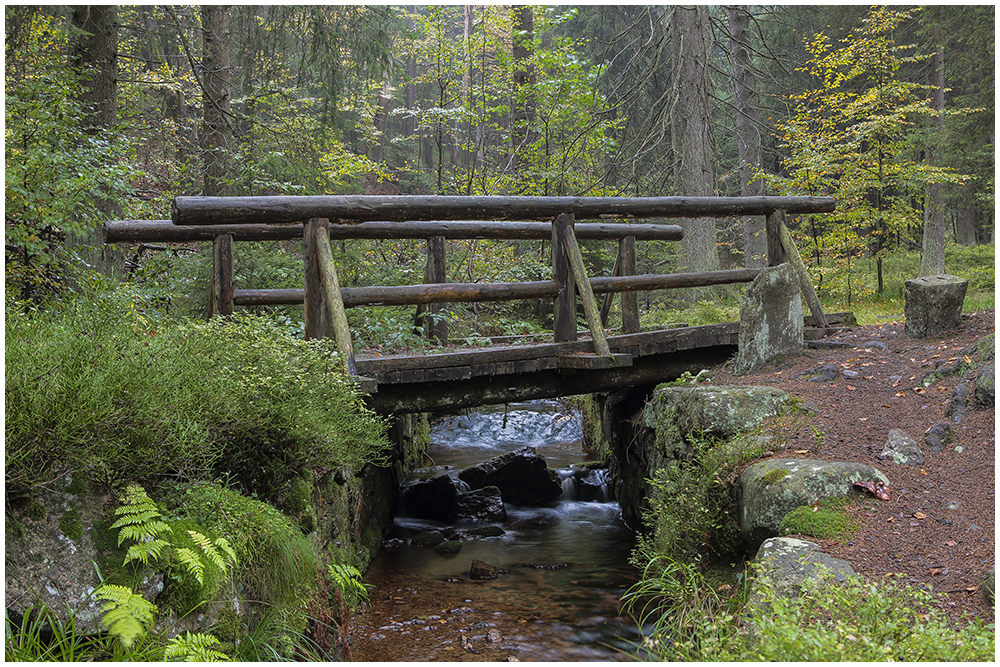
140, 519
192, 563
127, 615
348, 579
144, 550
194, 648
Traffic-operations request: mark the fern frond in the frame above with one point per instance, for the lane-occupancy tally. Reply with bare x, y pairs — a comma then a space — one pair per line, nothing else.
141, 532
127, 615
348, 579
194, 648
139, 517
223, 545
142, 551
192, 563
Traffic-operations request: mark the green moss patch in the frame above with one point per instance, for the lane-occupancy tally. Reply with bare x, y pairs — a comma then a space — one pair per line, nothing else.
826, 520
71, 525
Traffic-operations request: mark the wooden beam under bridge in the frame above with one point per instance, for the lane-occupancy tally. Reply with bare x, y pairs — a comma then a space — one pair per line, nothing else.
548, 383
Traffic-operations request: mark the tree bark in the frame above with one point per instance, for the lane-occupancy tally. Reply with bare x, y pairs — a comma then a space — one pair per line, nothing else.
932, 257
523, 120
690, 126
96, 49
95, 54
216, 135
747, 134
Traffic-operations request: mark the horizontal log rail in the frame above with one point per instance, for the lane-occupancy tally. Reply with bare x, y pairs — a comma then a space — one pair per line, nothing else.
320, 219
360, 208
140, 231
411, 295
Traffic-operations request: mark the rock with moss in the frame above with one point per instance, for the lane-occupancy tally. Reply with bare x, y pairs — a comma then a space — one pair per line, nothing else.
673, 419
782, 567
771, 322
984, 394
987, 586
901, 449
768, 490
50, 550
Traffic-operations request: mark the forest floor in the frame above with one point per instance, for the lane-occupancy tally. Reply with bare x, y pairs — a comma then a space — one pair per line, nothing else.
938, 527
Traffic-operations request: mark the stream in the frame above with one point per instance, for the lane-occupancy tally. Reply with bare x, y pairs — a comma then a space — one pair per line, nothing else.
567, 562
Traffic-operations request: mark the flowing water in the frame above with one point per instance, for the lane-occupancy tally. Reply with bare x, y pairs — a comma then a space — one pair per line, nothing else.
567, 562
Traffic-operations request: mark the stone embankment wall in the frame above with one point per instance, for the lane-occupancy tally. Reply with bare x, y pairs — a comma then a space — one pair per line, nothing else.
58, 540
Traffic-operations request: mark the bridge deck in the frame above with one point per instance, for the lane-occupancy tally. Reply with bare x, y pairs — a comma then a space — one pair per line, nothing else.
467, 378
567, 356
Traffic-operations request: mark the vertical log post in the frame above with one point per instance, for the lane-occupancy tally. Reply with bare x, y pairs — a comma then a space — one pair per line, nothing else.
586, 294
221, 294
629, 300
317, 316
437, 272
772, 226
616, 271
564, 306
334, 301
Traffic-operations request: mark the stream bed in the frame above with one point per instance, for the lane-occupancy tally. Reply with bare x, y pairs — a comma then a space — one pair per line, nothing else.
567, 562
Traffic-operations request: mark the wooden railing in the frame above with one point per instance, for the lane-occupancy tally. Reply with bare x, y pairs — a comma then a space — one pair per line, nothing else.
317, 220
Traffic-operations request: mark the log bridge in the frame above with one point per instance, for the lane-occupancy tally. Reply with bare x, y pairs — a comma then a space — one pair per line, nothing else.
571, 363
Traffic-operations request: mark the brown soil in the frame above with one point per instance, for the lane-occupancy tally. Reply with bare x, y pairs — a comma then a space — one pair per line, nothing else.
937, 529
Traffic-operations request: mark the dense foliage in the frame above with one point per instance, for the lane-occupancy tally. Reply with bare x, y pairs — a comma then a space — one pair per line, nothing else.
101, 383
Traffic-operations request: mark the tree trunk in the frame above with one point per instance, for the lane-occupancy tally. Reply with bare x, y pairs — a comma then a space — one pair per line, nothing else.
932, 257
690, 124
95, 53
96, 48
747, 134
216, 134
523, 120
965, 226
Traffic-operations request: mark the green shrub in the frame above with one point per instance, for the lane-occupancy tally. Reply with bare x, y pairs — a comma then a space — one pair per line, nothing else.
692, 501
102, 384
855, 621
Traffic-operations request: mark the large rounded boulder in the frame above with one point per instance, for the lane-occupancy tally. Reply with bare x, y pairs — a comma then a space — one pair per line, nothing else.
522, 477
769, 490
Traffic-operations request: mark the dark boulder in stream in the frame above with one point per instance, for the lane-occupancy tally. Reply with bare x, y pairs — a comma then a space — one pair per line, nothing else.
485, 504
481, 570
435, 499
522, 477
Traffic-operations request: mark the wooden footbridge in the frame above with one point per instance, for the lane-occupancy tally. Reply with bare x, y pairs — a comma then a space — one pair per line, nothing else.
569, 364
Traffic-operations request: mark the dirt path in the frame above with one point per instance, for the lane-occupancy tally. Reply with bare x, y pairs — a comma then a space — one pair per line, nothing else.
938, 527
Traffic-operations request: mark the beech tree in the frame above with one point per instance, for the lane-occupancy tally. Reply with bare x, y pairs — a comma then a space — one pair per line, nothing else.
851, 138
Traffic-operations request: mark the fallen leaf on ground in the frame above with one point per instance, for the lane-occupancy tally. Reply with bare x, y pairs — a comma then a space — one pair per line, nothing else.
923, 472
863, 419
801, 451
850, 388
879, 489
919, 515
949, 543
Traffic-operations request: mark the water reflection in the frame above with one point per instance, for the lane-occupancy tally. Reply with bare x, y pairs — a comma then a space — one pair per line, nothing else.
567, 563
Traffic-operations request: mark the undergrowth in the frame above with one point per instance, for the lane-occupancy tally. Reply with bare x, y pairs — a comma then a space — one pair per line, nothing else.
687, 620
104, 384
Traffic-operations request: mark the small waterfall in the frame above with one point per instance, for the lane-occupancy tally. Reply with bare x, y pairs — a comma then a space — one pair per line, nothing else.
585, 485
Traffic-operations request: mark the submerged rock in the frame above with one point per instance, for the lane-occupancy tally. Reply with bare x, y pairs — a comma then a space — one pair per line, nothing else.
768, 490
481, 570
522, 477
435, 499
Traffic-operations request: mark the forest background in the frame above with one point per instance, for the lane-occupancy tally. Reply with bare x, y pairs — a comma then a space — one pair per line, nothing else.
113, 111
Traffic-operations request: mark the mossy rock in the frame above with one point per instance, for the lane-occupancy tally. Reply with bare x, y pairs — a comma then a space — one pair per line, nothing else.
448, 547
765, 496
486, 531
827, 520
